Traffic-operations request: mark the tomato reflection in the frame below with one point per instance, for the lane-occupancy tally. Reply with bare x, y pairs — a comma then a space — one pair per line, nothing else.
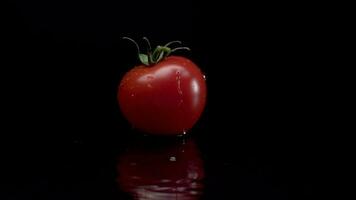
161, 170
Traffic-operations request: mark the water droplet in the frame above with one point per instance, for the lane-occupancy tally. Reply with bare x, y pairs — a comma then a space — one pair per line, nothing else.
193, 175
204, 77
194, 185
132, 95
178, 83
165, 181
184, 132
172, 159
180, 181
180, 102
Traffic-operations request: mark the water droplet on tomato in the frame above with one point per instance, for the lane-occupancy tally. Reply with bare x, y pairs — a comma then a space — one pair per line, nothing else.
180, 103
179, 83
132, 95
204, 77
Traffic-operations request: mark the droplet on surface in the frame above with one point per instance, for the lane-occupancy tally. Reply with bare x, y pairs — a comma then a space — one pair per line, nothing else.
204, 77
172, 159
165, 181
178, 83
193, 192
193, 175
180, 102
181, 189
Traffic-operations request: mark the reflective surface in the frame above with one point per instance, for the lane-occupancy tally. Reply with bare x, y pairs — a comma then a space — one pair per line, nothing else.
145, 168
156, 170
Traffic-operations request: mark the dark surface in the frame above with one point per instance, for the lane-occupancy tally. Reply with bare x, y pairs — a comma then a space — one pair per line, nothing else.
63, 130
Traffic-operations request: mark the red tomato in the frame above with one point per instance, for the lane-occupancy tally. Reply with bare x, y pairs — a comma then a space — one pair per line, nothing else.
166, 98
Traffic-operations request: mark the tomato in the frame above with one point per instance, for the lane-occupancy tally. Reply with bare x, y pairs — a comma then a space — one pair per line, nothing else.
166, 97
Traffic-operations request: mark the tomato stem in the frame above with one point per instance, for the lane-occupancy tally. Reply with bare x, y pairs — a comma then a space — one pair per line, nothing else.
180, 48
158, 54
137, 47
148, 44
170, 43
149, 49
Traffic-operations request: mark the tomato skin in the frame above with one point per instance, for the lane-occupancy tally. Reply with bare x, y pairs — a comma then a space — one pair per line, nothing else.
166, 98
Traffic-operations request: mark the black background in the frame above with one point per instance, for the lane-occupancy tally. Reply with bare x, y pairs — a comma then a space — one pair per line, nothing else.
64, 59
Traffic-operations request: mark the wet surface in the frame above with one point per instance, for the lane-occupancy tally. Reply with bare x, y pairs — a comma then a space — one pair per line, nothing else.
161, 170
144, 167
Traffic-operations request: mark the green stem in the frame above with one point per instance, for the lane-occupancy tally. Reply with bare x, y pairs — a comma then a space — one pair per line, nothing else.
170, 43
133, 41
158, 54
